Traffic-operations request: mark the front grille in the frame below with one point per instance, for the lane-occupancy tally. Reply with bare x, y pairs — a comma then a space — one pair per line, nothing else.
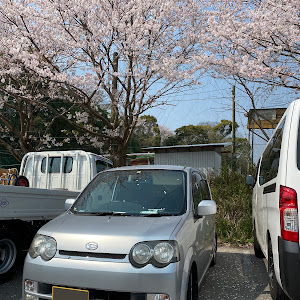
92, 254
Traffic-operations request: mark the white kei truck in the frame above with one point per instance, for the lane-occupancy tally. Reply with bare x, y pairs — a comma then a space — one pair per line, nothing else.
45, 181
275, 204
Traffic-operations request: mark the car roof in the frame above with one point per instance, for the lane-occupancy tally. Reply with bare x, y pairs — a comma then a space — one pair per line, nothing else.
157, 167
152, 167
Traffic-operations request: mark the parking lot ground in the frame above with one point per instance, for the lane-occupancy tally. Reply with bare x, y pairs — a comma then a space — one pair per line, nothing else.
12, 290
238, 274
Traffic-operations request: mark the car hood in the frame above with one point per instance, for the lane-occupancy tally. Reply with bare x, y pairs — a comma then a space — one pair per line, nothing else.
113, 234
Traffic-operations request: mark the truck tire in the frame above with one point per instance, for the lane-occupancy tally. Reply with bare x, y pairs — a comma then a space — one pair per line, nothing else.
8, 254
257, 250
275, 289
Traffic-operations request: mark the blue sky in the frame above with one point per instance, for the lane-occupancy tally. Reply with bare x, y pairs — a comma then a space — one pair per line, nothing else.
212, 102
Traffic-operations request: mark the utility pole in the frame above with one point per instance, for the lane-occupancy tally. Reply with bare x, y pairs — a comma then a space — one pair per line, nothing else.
233, 130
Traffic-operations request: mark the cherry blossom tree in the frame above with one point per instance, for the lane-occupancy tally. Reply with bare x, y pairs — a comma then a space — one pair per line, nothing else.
257, 40
115, 55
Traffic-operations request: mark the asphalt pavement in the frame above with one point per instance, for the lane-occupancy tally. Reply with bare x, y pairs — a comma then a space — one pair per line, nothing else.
238, 274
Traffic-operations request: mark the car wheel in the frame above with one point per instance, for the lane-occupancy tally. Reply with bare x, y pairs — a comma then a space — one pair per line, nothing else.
275, 289
257, 250
214, 255
8, 255
192, 291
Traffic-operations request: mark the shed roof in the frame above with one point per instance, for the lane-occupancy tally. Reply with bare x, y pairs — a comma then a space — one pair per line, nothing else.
186, 147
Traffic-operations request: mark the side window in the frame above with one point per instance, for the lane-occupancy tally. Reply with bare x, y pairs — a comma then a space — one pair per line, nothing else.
197, 191
298, 148
100, 165
205, 190
270, 159
257, 170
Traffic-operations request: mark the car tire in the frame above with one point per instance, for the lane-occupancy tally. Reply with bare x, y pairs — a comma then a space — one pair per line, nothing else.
257, 250
215, 249
192, 290
275, 289
8, 254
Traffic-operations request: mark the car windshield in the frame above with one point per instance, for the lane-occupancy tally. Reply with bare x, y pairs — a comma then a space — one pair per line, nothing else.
134, 192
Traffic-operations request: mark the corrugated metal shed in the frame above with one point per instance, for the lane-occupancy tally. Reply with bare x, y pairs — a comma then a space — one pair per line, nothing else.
206, 157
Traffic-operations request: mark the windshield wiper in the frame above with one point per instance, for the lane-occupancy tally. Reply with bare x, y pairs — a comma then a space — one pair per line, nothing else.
108, 213
158, 215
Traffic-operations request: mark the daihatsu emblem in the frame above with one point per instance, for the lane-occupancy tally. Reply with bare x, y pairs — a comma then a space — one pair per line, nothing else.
91, 246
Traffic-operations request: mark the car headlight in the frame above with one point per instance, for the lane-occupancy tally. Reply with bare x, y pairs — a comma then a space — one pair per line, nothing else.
158, 253
44, 246
163, 252
141, 253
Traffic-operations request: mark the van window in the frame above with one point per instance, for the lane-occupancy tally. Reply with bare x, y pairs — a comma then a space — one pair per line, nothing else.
54, 164
270, 158
298, 148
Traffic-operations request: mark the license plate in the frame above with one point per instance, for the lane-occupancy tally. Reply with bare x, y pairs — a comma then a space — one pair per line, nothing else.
60, 293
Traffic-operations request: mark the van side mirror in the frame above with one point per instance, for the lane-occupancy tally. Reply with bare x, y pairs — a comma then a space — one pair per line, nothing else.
250, 180
69, 203
207, 208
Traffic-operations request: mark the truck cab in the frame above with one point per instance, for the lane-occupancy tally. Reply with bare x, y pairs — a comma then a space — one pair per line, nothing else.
65, 170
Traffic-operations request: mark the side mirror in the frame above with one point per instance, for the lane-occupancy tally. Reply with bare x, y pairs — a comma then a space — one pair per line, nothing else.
250, 180
207, 208
69, 203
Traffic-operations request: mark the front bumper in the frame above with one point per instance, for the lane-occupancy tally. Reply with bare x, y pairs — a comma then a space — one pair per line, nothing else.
104, 279
289, 263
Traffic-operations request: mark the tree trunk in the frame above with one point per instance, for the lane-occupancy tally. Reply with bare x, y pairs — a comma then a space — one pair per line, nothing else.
118, 153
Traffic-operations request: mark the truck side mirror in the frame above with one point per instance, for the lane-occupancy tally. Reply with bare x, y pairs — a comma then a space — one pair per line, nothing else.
207, 208
69, 203
250, 180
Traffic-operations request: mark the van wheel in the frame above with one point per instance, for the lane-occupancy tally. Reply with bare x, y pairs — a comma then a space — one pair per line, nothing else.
192, 291
257, 250
275, 289
8, 255
214, 255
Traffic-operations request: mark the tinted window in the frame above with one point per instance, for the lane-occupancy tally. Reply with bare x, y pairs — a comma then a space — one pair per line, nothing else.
205, 190
197, 191
298, 148
100, 166
270, 159
54, 164
136, 192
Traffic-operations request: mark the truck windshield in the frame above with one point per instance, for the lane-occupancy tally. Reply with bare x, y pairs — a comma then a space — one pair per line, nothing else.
138, 193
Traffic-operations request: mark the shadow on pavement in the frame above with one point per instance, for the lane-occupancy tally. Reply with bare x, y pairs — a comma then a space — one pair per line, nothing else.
238, 274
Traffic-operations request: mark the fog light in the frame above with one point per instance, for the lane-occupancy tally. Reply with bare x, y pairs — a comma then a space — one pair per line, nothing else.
31, 286
31, 297
157, 297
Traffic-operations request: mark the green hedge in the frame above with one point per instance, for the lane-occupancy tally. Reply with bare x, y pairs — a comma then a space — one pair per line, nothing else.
234, 212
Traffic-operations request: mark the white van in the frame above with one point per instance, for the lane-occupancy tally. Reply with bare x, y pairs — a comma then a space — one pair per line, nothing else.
275, 208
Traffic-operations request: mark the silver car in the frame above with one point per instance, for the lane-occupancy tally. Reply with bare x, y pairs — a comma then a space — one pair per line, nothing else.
134, 233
